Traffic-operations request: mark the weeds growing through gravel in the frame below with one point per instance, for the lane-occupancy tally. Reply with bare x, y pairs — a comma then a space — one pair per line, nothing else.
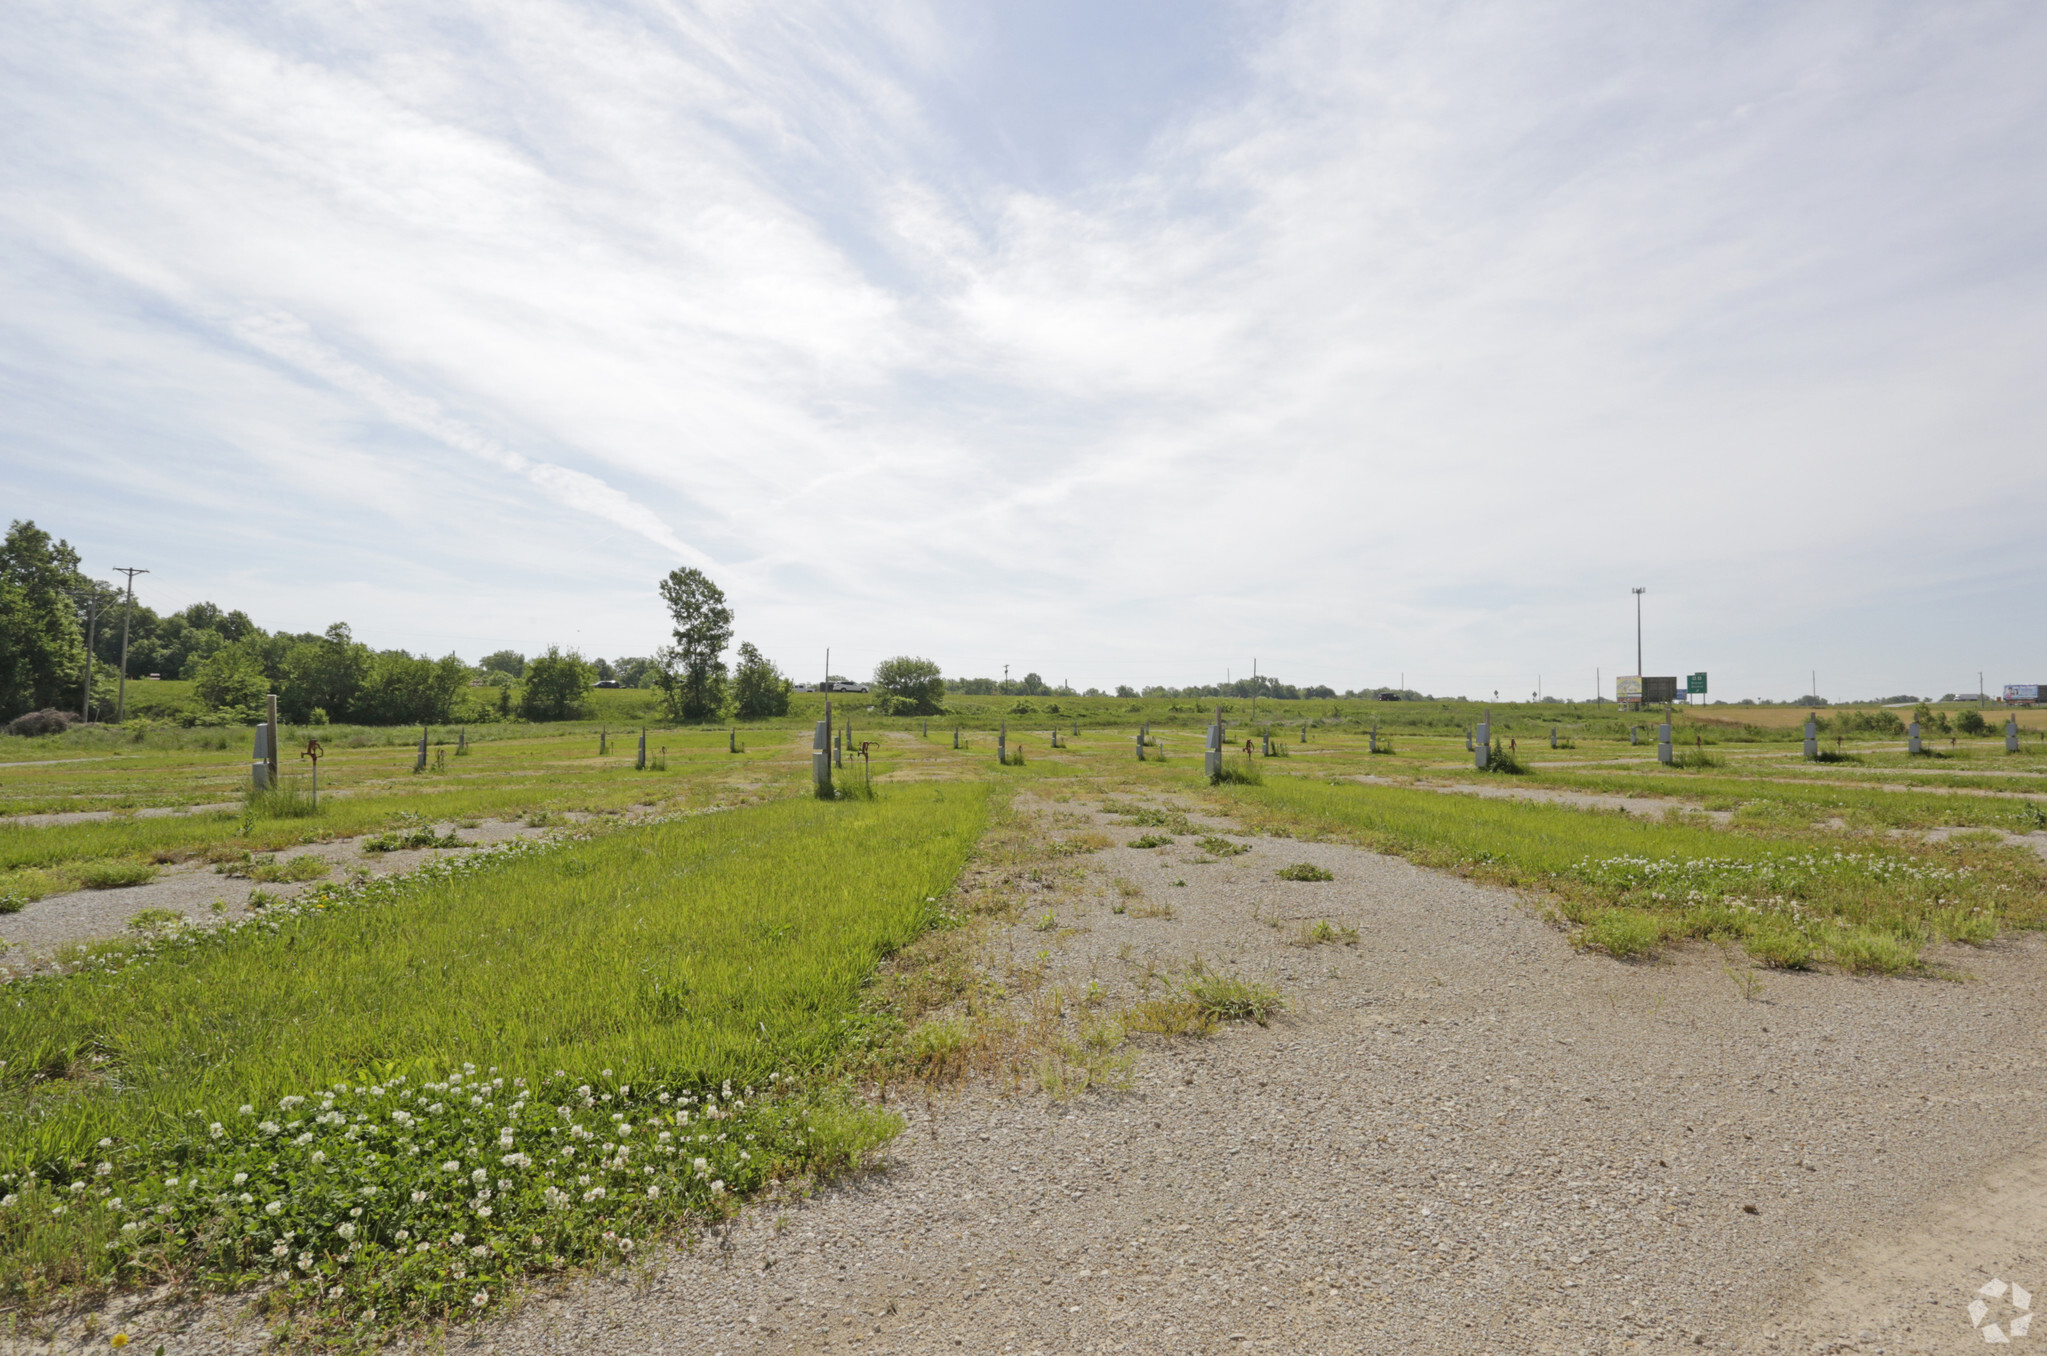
116, 875
1217, 846
1322, 932
1868, 904
421, 836
1304, 871
1152, 840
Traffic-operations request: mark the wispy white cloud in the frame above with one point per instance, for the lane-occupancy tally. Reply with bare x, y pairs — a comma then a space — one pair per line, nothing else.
1361, 339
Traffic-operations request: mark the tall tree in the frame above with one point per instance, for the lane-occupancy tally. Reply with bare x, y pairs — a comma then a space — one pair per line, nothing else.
693, 669
42, 646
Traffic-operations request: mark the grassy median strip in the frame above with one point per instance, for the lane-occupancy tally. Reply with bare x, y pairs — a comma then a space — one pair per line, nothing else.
398, 1097
1864, 902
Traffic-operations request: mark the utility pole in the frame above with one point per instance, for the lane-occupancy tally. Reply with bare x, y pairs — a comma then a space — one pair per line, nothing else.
1005, 677
1254, 689
89, 603
827, 670
1638, 631
1979, 689
121, 700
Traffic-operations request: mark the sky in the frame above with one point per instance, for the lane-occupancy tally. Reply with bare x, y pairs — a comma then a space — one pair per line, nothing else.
1117, 342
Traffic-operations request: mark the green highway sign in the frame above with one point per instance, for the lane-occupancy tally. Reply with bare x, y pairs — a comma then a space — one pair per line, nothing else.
1695, 684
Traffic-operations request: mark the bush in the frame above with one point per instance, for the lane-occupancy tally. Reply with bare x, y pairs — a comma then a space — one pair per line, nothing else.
280, 802
1972, 723
759, 691
47, 721
914, 686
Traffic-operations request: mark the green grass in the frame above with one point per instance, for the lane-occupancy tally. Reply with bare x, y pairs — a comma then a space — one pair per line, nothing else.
1304, 871
1864, 903
653, 963
116, 875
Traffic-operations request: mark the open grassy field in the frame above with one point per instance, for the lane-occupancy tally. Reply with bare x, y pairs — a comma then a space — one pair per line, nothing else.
621, 1030
301, 1084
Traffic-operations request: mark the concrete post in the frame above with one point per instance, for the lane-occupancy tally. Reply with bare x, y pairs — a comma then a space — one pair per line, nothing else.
419, 764
1140, 746
731, 740
270, 711
1812, 737
955, 736
1912, 737
259, 760
820, 754
1212, 757
2011, 734
640, 761
1375, 737
1002, 744
1482, 744
1552, 736
1663, 754
1634, 734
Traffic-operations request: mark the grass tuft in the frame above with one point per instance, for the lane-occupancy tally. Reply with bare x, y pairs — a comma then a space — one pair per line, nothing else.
115, 875
1305, 871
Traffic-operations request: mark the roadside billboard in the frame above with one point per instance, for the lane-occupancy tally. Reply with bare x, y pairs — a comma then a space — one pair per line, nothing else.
1628, 691
2022, 692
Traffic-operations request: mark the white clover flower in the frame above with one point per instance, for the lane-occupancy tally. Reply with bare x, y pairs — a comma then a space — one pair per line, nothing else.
306, 1138
452, 1165
718, 1188
170, 1181
479, 1299
483, 1212
131, 1226
459, 1271
106, 1144
479, 1176
246, 1199
418, 1197
653, 1193
282, 1249
347, 1231
216, 1130
457, 1239
479, 1251
305, 1261
77, 1186
423, 1247
274, 1208
435, 1109
319, 1155
241, 1177
702, 1165
7, 1200
404, 1235
270, 1127
104, 1169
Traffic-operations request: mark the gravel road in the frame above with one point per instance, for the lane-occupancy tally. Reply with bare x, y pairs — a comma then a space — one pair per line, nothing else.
1463, 1135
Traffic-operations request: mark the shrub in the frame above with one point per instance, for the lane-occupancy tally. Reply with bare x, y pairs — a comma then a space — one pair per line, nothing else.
1505, 763
914, 686
1304, 871
397, 840
47, 721
1152, 840
1972, 723
759, 691
1216, 846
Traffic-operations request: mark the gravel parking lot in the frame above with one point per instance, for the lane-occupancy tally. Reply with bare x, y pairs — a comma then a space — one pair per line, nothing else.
1462, 1135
